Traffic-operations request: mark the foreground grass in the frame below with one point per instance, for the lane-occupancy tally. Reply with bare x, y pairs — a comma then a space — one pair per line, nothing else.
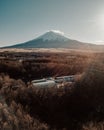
81, 107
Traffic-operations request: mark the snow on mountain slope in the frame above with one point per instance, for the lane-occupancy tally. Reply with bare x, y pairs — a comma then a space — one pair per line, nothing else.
57, 39
53, 35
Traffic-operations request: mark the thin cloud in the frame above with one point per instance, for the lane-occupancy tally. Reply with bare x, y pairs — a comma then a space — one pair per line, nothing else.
58, 31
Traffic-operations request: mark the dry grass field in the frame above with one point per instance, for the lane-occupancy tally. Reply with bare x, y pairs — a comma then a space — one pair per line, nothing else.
25, 107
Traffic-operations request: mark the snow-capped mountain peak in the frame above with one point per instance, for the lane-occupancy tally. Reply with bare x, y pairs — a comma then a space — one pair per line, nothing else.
57, 39
53, 35
57, 32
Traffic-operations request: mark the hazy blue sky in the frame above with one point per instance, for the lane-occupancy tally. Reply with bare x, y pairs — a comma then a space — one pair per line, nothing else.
22, 20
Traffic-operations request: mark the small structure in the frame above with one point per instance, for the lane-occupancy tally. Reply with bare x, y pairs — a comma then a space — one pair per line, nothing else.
44, 83
53, 82
69, 78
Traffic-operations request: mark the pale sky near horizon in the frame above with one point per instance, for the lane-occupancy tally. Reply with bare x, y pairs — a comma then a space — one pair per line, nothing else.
23, 20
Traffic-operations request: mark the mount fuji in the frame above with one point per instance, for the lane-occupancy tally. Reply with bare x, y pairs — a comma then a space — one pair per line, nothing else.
56, 39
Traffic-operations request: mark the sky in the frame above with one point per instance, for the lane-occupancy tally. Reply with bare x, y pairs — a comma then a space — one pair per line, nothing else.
24, 20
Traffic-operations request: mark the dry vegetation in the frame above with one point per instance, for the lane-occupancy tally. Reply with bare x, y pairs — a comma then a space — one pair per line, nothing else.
24, 107
28, 66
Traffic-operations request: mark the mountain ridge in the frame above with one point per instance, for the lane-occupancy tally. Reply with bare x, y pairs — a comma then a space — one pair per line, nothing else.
56, 39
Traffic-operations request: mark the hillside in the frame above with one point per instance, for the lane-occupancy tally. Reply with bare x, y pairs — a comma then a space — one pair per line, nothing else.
53, 39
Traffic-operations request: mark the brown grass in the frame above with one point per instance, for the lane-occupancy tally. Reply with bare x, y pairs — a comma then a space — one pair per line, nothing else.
25, 107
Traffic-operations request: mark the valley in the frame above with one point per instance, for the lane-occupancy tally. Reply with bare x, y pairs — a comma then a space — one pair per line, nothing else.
55, 89
51, 64
32, 65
